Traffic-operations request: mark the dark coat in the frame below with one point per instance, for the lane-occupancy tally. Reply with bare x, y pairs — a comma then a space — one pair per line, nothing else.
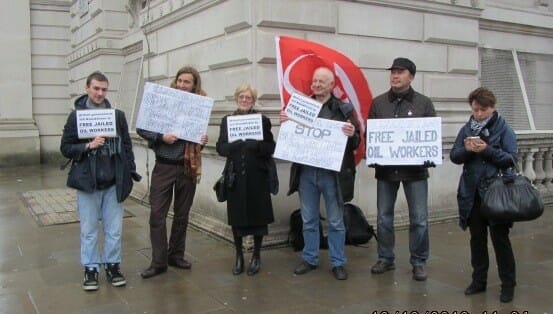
413, 105
74, 148
248, 201
480, 169
346, 177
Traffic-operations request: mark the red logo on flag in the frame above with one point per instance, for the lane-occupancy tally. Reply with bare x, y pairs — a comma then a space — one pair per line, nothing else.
297, 59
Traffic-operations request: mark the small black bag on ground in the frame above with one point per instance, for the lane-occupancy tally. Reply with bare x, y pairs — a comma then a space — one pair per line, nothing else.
358, 229
295, 235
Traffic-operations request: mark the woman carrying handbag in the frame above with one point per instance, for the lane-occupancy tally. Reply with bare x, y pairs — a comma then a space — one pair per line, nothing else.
249, 206
485, 145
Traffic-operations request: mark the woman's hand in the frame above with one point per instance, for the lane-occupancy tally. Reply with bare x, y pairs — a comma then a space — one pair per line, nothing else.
479, 146
475, 146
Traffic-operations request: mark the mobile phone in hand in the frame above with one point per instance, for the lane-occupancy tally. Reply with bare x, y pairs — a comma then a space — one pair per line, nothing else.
475, 139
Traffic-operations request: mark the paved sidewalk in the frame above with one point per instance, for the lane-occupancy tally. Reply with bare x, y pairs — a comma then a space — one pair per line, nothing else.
40, 270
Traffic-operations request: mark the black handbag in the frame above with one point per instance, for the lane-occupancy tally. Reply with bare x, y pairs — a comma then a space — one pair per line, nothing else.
225, 182
511, 198
220, 189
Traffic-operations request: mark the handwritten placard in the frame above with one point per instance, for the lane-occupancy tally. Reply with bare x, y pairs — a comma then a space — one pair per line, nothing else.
409, 141
321, 146
168, 110
96, 122
243, 127
303, 110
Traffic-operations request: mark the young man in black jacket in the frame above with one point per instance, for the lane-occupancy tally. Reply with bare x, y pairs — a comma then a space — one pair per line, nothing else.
102, 173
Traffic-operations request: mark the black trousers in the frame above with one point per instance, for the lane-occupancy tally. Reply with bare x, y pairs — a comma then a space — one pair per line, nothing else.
499, 233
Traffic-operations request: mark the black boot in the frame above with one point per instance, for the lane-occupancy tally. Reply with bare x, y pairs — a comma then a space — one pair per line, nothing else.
239, 264
255, 262
255, 265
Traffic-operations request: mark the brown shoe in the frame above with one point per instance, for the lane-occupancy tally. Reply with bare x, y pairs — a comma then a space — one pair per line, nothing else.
179, 263
419, 274
381, 267
152, 271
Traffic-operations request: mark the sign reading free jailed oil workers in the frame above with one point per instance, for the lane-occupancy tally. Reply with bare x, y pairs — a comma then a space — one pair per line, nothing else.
321, 146
303, 110
405, 141
96, 122
244, 127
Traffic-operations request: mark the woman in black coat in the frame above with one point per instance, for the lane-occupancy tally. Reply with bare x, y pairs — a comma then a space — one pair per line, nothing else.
485, 145
249, 206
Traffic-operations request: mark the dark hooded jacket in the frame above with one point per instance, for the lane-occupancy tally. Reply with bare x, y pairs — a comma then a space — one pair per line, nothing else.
83, 173
480, 169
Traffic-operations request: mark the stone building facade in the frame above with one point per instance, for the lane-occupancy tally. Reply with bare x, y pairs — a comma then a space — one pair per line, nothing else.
457, 45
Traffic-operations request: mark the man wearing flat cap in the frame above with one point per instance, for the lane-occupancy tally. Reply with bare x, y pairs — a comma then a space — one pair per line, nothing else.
401, 101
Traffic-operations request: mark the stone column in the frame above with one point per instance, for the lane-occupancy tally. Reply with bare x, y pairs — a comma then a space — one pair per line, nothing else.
18, 131
538, 168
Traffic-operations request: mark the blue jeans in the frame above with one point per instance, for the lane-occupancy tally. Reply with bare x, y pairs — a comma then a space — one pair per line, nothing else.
313, 183
100, 204
416, 193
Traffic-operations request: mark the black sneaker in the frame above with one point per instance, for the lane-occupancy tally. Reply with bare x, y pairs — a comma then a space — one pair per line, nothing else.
90, 282
114, 275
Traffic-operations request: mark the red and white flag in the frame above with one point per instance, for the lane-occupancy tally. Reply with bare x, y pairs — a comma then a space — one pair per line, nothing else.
297, 59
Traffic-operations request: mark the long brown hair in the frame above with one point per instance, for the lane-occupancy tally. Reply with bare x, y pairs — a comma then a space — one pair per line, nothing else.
197, 80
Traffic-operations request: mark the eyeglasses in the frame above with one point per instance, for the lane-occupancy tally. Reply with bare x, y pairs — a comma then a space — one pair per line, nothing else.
244, 97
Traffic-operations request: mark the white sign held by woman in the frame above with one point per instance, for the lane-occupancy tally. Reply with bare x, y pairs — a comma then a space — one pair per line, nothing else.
244, 127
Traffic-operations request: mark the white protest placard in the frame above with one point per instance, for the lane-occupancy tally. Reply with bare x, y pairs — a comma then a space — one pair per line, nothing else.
322, 146
243, 127
96, 122
303, 110
168, 110
409, 141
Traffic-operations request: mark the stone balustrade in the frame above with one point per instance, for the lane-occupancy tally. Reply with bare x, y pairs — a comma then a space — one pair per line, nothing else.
536, 161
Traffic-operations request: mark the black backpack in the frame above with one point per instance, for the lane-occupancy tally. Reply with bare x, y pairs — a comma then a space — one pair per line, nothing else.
358, 229
295, 236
